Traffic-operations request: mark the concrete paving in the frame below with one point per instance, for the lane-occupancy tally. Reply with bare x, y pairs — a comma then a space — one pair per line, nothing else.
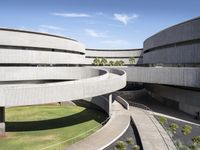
152, 134
110, 132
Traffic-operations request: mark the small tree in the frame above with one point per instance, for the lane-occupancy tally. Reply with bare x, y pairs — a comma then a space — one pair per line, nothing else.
130, 140
162, 120
121, 63
120, 145
111, 63
132, 60
117, 63
136, 147
96, 61
187, 129
174, 127
196, 139
103, 61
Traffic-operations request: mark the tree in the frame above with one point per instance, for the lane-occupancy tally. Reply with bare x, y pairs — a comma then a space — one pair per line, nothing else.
132, 60
174, 127
121, 63
117, 63
187, 129
130, 140
111, 63
96, 61
162, 120
196, 139
103, 61
120, 145
136, 147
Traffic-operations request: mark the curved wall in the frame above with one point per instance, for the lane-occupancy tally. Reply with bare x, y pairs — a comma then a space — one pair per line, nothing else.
121, 54
25, 47
178, 44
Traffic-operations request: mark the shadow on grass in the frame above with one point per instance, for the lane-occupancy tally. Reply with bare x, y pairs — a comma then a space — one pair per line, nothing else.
81, 117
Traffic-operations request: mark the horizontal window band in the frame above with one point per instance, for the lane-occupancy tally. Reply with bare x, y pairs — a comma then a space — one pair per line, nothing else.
114, 50
39, 49
114, 57
36, 65
182, 43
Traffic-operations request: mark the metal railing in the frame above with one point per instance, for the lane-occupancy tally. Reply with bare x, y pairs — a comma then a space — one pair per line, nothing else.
150, 115
63, 144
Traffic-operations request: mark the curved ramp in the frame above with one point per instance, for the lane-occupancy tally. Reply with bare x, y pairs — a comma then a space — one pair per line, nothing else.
110, 132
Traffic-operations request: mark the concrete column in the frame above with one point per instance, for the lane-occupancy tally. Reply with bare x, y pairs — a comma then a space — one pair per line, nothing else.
110, 104
2, 121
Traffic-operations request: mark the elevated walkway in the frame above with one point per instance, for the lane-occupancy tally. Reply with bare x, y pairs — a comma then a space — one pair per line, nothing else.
109, 133
152, 134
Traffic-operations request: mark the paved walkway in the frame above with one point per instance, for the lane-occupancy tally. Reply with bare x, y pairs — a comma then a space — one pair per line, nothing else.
110, 132
152, 134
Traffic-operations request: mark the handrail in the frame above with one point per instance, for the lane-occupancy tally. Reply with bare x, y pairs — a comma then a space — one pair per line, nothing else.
76, 137
149, 113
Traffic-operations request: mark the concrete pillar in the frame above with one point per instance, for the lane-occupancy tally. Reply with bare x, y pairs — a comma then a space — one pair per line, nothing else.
110, 104
2, 121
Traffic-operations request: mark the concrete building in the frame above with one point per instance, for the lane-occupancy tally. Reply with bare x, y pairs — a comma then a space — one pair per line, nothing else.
38, 68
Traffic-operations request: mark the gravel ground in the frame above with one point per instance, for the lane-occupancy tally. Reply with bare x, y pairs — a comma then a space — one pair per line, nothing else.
185, 139
130, 133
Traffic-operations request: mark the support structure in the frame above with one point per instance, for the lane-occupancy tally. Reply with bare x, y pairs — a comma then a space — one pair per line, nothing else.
2, 121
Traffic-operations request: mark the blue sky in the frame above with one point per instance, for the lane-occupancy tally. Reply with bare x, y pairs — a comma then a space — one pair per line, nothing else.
98, 23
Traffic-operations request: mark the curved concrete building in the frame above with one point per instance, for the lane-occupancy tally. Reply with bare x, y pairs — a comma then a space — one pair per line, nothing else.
38, 68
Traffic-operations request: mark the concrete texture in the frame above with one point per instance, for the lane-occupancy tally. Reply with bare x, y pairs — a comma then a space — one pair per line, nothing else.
188, 100
179, 76
30, 94
33, 39
152, 134
176, 44
110, 132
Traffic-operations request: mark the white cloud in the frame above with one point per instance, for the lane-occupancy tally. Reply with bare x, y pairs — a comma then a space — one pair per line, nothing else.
51, 27
95, 34
71, 15
124, 18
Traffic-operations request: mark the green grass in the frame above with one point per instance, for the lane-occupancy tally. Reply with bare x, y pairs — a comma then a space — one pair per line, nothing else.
36, 127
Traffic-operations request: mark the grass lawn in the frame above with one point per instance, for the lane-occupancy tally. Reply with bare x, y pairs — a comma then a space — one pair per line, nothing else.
36, 127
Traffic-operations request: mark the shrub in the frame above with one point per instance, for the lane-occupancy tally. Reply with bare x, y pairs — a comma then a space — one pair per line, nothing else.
129, 141
194, 146
174, 127
136, 147
120, 145
162, 120
187, 129
196, 139
181, 146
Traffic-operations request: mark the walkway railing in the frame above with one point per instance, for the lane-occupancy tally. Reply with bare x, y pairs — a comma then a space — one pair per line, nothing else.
150, 114
63, 144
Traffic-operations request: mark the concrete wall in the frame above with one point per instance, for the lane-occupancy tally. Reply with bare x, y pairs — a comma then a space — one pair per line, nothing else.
177, 44
47, 73
30, 94
188, 100
179, 76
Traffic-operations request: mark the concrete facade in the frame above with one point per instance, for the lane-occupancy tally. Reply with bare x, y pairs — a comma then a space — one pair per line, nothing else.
37, 68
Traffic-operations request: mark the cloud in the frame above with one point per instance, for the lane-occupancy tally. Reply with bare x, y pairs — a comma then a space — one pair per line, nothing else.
125, 18
51, 27
95, 34
71, 15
